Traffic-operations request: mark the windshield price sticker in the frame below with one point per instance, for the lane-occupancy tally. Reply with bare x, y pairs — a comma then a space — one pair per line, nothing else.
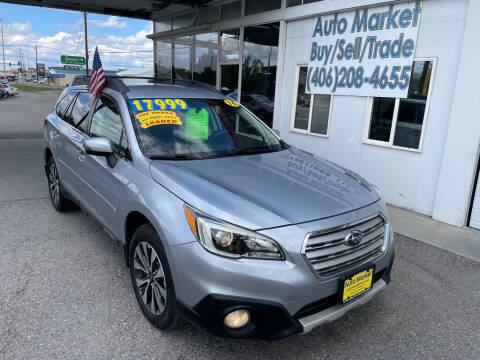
196, 124
367, 52
158, 117
231, 102
139, 105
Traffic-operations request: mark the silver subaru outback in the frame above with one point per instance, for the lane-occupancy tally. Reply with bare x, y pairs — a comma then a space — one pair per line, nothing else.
222, 223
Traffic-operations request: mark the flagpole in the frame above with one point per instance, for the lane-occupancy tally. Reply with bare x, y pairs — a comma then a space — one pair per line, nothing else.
86, 42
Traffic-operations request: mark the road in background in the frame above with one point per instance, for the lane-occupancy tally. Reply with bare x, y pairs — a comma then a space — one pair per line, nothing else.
21, 116
65, 292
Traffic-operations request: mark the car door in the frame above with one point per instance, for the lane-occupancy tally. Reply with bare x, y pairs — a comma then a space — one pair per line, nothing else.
103, 185
74, 133
57, 140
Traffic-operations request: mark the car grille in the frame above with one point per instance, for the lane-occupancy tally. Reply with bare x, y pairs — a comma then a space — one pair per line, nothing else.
327, 251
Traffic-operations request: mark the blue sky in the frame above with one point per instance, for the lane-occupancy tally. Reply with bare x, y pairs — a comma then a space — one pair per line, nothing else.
121, 41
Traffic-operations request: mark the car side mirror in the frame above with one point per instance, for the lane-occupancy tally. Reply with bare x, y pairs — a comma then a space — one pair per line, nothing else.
101, 146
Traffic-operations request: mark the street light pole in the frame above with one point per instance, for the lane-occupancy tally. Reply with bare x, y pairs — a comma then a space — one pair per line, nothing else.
86, 42
3, 53
36, 64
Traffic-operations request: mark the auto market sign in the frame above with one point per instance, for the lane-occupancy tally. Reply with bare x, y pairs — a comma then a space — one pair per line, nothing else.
72, 60
366, 52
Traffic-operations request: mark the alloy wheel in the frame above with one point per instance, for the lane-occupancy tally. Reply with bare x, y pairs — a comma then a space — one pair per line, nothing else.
53, 182
150, 278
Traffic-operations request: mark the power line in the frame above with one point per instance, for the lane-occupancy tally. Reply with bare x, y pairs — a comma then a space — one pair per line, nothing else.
90, 51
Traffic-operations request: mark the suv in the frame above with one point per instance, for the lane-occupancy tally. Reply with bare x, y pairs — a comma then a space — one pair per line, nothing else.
221, 222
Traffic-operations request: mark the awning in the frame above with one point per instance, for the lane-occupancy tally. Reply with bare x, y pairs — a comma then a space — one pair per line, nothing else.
140, 9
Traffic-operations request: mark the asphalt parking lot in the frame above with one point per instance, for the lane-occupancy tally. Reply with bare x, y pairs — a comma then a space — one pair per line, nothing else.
65, 292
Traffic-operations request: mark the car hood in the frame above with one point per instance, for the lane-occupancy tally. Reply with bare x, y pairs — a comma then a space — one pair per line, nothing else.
265, 190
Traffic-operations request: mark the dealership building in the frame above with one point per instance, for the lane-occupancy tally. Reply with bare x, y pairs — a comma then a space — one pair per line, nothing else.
389, 89
421, 149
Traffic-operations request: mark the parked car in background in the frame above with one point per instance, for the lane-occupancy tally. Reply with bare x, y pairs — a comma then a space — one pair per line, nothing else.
3, 92
258, 104
221, 222
10, 90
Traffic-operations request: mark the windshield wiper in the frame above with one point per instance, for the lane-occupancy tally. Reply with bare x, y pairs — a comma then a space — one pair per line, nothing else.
173, 157
250, 151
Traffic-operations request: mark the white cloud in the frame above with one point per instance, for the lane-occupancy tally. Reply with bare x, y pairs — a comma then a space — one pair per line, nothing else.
111, 22
75, 26
133, 51
17, 27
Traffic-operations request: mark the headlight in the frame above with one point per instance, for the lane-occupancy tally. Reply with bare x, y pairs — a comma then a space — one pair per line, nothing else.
229, 240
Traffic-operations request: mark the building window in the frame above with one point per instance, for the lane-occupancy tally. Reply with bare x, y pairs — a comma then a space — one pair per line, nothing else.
205, 67
300, 2
259, 69
182, 55
230, 45
163, 66
255, 6
311, 113
231, 10
400, 123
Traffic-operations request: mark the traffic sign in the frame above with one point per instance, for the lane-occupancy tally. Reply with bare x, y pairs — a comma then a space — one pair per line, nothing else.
71, 67
72, 60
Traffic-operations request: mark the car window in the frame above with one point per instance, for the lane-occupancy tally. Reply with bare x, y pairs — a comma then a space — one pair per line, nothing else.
173, 128
80, 109
123, 147
107, 122
62, 106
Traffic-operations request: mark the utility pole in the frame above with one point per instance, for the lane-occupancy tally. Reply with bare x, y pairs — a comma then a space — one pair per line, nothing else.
21, 63
3, 53
86, 42
36, 64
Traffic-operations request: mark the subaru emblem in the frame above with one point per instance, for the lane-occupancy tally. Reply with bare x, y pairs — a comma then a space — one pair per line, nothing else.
354, 238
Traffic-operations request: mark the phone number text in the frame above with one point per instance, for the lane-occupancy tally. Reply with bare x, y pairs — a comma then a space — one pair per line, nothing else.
336, 77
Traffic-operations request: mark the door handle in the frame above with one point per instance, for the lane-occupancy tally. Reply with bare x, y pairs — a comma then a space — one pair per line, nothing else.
80, 155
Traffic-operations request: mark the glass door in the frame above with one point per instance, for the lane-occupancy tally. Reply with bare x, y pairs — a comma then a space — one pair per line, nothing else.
229, 80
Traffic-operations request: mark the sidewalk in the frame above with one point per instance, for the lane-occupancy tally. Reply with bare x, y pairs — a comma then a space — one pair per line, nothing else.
461, 241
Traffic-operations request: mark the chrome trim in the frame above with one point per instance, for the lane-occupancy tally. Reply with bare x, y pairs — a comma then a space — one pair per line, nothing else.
325, 316
340, 228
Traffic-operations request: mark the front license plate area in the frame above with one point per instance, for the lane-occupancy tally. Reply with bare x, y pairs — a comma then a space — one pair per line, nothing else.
356, 284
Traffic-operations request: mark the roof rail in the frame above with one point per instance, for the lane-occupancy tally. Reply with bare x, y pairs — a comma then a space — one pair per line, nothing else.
114, 82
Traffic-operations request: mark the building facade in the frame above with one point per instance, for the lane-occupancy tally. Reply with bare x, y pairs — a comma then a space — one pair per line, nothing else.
60, 76
422, 151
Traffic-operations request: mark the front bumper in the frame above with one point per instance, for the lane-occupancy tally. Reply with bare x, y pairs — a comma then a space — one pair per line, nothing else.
271, 320
284, 297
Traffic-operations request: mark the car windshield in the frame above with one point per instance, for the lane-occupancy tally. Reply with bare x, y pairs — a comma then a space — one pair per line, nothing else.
197, 129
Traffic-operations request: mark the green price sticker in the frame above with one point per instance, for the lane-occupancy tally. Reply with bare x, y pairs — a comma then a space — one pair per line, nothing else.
196, 124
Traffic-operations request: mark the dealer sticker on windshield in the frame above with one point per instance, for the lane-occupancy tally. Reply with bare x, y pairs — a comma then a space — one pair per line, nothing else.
162, 117
231, 102
158, 111
141, 105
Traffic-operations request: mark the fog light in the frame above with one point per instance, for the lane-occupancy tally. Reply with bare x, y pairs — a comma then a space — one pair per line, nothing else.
237, 319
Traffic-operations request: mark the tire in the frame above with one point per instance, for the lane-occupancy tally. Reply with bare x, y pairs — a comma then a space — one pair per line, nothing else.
153, 285
59, 201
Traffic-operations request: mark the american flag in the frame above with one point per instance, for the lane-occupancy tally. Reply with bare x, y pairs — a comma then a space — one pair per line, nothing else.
97, 82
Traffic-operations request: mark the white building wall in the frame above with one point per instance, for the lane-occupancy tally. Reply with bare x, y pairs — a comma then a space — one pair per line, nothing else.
407, 179
462, 143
